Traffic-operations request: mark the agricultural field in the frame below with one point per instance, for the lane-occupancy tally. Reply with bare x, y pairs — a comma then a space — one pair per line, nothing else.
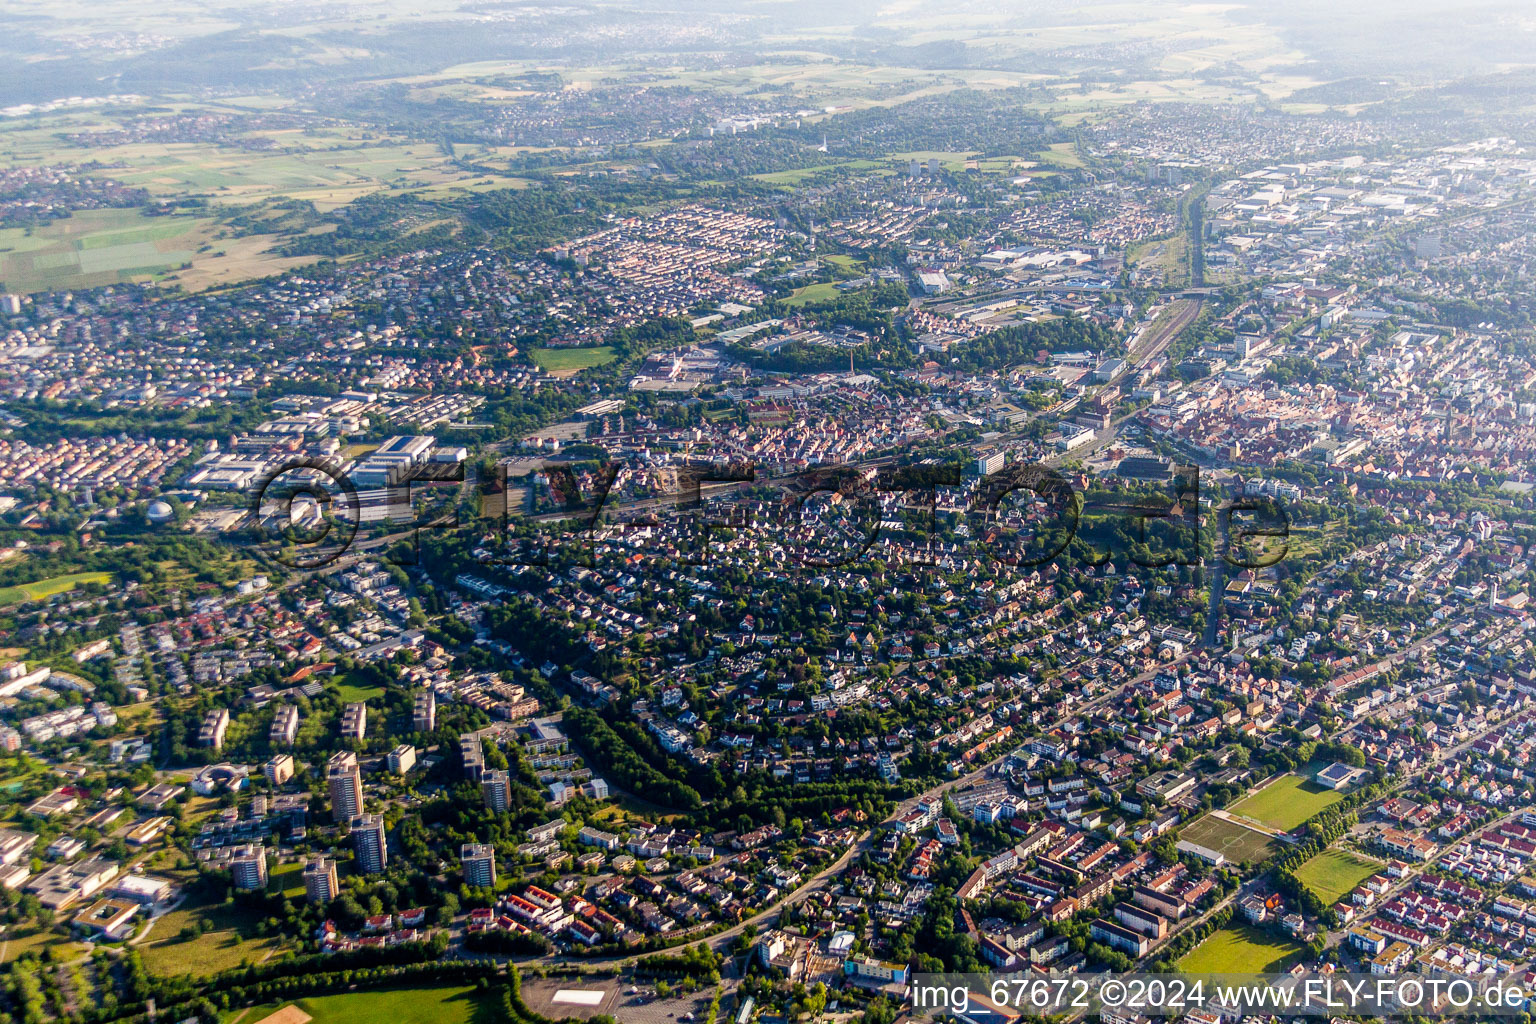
328, 170
572, 360
97, 247
106, 247
1335, 872
444, 1005
1239, 843
1241, 949
1286, 802
42, 589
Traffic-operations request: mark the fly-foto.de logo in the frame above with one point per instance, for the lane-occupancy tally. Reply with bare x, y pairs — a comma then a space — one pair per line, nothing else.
307, 514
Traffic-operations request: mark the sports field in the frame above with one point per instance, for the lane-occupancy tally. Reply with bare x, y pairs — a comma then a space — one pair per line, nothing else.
1286, 802
39, 590
1333, 873
1239, 843
444, 1005
1240, 948
572, 360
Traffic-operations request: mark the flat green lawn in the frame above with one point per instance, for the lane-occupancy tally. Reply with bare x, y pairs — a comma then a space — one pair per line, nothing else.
570, 360
812, 293
1061, 154
39, 590
287, 879
848, 263
1333, 873
353, 693
1240, 949
230, 943
799, 174
1286, 802
448, 1005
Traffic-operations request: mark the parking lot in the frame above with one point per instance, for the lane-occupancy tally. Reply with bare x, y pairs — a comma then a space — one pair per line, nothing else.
640, 1006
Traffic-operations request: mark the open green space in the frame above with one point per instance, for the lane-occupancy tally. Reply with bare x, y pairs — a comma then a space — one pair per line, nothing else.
350, 691
443, 1005
812, 293
229, 942
1286, 802
1241, 948
1335, 872
1060, 154
799, 174
572, 360
40, 590
30, 939
1238, 843
287, 879
851, 264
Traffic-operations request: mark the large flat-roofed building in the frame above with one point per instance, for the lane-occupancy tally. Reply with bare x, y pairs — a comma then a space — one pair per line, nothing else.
215, 725
278, 770
51, 805
108, 919
345, 782
369, 844
320, 880
147, 890
473, 756
424, 711
402, 759
16, 845
1215, 858
1339, 775
354, 721
67, 884
479, 860
880, 972
1119, 937
1145, 467
496, 787
285, 726
392, 461
248, 868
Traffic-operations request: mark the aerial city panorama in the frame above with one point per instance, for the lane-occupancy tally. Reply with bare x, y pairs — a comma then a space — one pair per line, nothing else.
651, 511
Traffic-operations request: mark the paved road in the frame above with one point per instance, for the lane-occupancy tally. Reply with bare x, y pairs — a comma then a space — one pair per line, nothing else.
828, 874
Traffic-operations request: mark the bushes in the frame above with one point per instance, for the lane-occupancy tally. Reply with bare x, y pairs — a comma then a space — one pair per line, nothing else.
696, 961
515, 943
